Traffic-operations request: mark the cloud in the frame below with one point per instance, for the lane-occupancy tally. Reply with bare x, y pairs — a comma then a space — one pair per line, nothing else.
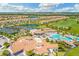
65, 9
42, 7
15, 8
74, 8
47, 5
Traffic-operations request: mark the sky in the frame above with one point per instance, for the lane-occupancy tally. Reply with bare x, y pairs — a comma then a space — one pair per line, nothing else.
39, 7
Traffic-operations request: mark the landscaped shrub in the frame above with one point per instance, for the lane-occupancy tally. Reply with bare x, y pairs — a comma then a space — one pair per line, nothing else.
5, 53
6, 44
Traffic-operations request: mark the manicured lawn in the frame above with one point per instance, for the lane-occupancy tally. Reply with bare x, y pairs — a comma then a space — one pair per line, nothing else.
67, 23
0, 53
73, 52
61, 53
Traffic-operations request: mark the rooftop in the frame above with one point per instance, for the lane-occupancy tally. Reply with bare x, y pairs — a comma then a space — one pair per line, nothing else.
30, 44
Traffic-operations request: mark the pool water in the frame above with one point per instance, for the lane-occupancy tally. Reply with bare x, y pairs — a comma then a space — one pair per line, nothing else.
60, 37
77, 38
56, 36
68, 39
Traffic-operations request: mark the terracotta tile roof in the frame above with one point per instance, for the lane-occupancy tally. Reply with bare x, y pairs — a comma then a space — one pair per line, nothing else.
28, 45
45, 46
41, 50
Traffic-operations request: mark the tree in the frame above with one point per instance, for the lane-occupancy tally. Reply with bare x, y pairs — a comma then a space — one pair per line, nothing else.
6, 44
30, 53
63, 46
68, 28
52, 41
6, 53
28, 34
76, 43
47, 40
37, 54
77, 21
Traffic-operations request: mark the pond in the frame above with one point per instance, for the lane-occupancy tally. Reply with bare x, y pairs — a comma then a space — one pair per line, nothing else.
8, 30
14, 29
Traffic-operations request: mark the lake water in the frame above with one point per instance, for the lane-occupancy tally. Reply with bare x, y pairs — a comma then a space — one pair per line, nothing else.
14, 29
8, 30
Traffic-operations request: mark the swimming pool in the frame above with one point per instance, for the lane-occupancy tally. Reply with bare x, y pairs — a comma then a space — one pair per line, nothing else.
61, 37
56, 36
68, 39
77, 38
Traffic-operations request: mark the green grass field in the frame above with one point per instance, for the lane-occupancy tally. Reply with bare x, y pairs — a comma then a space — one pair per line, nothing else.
73, 52
67, 23
61, 53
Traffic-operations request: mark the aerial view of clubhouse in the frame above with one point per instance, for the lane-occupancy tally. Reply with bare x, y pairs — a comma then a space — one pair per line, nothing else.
38, 33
